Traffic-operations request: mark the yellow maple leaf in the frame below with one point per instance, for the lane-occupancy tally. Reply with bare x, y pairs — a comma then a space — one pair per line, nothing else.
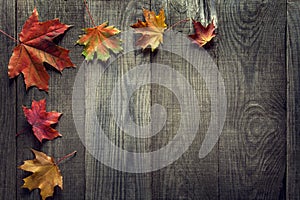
152, 29
46, 174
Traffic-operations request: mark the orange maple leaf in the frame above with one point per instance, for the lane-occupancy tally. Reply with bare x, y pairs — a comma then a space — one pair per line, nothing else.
35, 47
202, 34
152, 29
46, 174
41, 120
99, 40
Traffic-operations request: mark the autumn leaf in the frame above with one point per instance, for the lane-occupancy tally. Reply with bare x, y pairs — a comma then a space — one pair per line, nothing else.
99, 40
46, 174
41, 120
152, 29
202, 34
35, 47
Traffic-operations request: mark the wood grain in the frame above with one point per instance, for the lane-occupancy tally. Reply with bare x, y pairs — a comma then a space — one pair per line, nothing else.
59, 99
293, 88
103, 182
252, 148
7, 105
189, 177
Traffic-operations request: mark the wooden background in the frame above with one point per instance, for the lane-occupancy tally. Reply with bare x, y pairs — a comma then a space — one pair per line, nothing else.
256, 50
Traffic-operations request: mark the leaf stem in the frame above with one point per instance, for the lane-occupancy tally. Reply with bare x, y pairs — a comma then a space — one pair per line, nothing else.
65, 157
12, 38
176, 24
22, 131
89, 13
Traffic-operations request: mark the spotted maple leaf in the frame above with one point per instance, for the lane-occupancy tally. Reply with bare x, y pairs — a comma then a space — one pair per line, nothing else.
202, 34
100, 40
35, 47
152, 29
41, 120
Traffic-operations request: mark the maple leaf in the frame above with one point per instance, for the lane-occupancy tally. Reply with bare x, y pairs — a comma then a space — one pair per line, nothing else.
41, 120
46, 174
152, 29
202, 34
35, 47
99, 40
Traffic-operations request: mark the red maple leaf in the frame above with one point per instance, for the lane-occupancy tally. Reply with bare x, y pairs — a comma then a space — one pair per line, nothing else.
35, 47
203, 34
41, 120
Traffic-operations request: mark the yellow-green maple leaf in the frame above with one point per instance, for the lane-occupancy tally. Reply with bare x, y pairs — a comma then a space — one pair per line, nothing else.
99, 40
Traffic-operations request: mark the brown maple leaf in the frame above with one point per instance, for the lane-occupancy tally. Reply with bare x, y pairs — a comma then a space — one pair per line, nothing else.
46, 174
41, 120
99, 40
152, 29
202, 34
35, 47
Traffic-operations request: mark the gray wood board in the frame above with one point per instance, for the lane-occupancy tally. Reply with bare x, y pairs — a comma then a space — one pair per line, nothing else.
293, 88
59, 98
8, 106
251, 58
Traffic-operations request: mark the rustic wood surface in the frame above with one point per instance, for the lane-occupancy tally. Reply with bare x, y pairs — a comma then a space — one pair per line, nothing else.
8, 108
293, 123
256, 51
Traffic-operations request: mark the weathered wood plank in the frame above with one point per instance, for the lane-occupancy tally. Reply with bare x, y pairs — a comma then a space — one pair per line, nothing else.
189, 177
7, 105
252, 148
293, 88
103, 182
59, 99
